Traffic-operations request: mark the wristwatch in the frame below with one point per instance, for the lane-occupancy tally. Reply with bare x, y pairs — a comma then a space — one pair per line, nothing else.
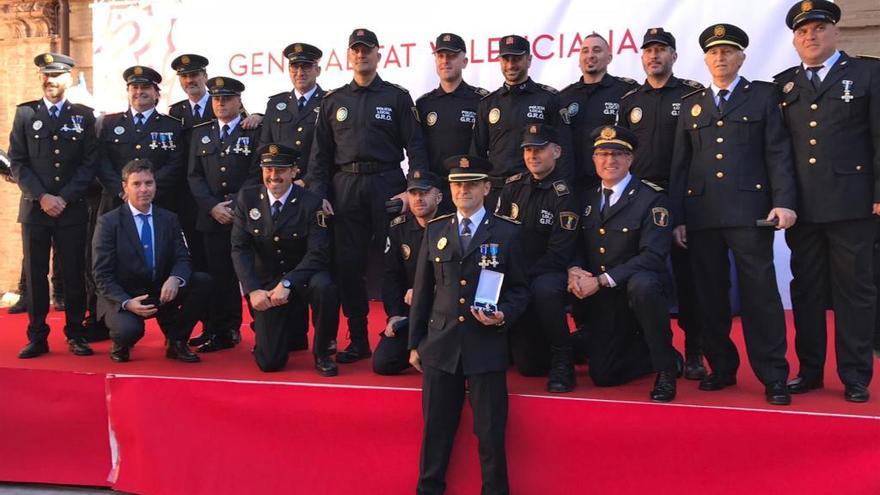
285, 283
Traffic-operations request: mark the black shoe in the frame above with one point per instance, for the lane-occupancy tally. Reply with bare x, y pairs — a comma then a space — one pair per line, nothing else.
353, 353
561, 378
777, 394
802, 385
235, 336
717, 381
58, 303
19, 307
664, 387
694, 369
856, 392
326, 366
216, 343
33, 349
332, 347
199, 339
178, 350
79, 347
119, 353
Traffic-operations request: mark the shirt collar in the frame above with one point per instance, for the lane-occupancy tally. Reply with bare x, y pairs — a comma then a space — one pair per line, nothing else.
716, 89
476, 218
145, 113
373, 85
826, 65
203, 103
232, 123
308, 94
49, 104
618, 188
135, 212
283, 197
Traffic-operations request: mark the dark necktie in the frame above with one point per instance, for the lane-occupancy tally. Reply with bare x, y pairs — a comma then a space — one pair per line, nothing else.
722, 99
276, 209
147, 241
465, 236
815, 80
53, 112
301, 102
224, 133
138, 121
607, 203
197, 111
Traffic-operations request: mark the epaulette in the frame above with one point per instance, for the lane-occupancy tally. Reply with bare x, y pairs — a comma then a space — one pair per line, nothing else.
425, 95
867, 57
170, 117
28, 103
283, 93
692, 83
481, 91
398, 86
561, 188
82, 107
113, 115
692, 93
551, 89
571, 85
331, 91
786, 71
398, 220
207, 122
763, 83
626, 80
441, 217
509, 219
630, 92
514, 178
652, 185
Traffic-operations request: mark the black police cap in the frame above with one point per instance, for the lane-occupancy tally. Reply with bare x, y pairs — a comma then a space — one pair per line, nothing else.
723, 34
513, 45
614, 137
449, 42
277, 155
363, 37
812, 10
538, 135
224, 86
188, 63
467, 168
54, 63
421, 179
302, 52
658, 35
141, 74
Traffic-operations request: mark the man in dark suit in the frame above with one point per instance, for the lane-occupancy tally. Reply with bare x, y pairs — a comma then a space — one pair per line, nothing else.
53, 154
281, 250
142, 269
731, 169
831, 103
454, 343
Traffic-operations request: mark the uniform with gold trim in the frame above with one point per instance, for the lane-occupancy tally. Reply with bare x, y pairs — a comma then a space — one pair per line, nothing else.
547, 209
836, 141
58, 156
293, 248
218, 169
360, 137
729, 169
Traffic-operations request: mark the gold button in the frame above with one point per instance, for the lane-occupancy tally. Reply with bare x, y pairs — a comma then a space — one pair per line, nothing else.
625, 230
858, 167
602, 250
813, 123
601, 231
223, 169
59, 178
461, 318
256, 231
463, 282
298, 143
37, 136
278, 119
73, 138
57, 165
720, 123
115, 140
295, 234
720, 175
54, 138
437, 260
785, 104
719, 140
602, 268
695, 126
57, 152
757, 186
299, 129
137, 146
812, 161
745, 118
277, 238
814, 106
813, 142
461, 301
719, 156
223, 184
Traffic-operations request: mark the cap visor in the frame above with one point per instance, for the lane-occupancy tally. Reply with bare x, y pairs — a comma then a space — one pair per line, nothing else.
467, 177
613, 145
447, 49
512, 52
654, 42
534, 143
360, 42
723, 42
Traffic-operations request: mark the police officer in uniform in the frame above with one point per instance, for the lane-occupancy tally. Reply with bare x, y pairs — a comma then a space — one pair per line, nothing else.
362, 130
619, 273
448, 112
141, 132
543, 202
503, 115
53, 155
222, 160
651, 112
732, 173
280, 250
593, 100
423, 198
831, 103
455, 344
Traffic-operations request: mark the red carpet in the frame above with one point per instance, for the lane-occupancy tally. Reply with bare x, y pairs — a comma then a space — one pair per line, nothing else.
243, 431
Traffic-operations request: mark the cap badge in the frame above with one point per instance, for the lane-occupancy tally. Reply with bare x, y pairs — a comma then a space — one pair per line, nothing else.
48, 58
220, 82
464, 162
417, 174
447, 38
653, 30
509, 40
360, 32
138, 70
608, 133
806, 6
297, 48
719, 30
273, 149
184, 60
533, 129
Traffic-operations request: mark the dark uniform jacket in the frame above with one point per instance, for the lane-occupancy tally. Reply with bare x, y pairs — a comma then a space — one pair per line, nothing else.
448, 122
548, 212
590, 106
836, 139
652, 114
53, 156
401, 255
730, 170
368, 126
504, 114
295, 246
635, 236
158, 141
441, 325
285, 124
118, 261
182, 111
218, 170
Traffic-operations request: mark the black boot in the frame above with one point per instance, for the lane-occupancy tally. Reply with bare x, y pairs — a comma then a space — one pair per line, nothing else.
561, 378
359, 348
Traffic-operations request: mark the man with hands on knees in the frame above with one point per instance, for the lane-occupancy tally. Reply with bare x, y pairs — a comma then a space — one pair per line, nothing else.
142, 269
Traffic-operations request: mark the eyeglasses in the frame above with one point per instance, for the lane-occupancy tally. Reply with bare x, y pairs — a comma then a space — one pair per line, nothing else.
617, 155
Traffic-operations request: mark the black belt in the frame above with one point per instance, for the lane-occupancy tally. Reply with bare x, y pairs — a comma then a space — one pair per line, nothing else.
368, 167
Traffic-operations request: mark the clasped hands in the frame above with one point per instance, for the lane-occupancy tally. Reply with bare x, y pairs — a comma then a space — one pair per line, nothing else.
261, 300
582, 283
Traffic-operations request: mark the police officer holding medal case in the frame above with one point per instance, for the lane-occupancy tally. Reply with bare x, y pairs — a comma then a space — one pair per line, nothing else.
456, 344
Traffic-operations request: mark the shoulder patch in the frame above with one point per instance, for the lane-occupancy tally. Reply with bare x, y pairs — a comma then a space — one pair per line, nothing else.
626, 80
692, 83
561, 188
514, 178
399, 87
441, 217
509, 219
652, 185
630, 92
481, 91
692, 93
550, 89
398, 220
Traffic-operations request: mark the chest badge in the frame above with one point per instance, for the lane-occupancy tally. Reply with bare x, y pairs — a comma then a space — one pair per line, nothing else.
37, 125
406, 251
487, 251
696, 110
441, 244
254, 213
847, 94
206, 139
514, 211
494, 116
281, 105
431, 118
119, 130
573, 109
635, 115
587, 210
341, 114
788, 87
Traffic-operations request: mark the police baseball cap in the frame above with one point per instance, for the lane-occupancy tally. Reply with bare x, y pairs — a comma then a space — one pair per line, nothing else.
723, 34
513, 45
188, 63
614, 137
538, 135
302, 52
658, 35
421, 179
224, 86
277, 155
450, 43
467, 168
141, 74
54, 63
364, 37
812, 10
